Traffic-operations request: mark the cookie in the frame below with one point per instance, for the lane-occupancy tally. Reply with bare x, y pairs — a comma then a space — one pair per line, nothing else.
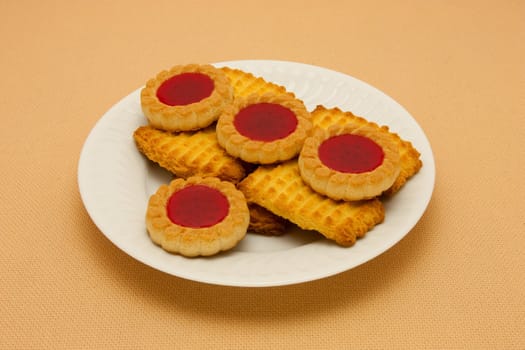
281, 190
264, 222
245, 84
186, 97
188, 153
349, 162
264, 129
410, 162
197, 216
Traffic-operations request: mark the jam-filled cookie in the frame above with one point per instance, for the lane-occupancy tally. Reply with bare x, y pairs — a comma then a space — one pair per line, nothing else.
186, 97
197, 216
264, 129
349, 162
409, 157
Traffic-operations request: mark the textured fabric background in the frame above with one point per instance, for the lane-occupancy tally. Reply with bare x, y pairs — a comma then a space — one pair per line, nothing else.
456, 281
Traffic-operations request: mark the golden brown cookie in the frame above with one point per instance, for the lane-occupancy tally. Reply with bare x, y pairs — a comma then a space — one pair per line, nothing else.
264, 222
188, 153
264, 129
349, 162
197, 216
186, 97
245, 84
410, 161
281, 190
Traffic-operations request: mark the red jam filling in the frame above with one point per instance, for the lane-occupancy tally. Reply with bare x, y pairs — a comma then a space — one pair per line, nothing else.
351, 154
185, 88
197, 206
265, 122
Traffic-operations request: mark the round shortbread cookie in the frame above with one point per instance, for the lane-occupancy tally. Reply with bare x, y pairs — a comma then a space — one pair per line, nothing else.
264, 129
197, 216
349, 162
186, 97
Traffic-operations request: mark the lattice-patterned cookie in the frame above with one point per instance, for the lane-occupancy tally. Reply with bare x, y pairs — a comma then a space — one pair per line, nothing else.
281, 190
245, 84
349, 162
264, 222
188, 153
410, 161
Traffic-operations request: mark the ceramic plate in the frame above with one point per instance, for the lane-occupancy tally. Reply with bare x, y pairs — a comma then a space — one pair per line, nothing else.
115, 182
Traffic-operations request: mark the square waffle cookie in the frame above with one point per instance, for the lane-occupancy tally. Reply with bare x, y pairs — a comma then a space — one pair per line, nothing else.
189, 153
281, 190
245, 84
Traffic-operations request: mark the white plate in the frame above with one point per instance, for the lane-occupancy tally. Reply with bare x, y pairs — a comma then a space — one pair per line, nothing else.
115, 182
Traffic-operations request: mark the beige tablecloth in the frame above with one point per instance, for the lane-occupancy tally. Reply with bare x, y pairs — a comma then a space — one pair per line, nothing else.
456, 281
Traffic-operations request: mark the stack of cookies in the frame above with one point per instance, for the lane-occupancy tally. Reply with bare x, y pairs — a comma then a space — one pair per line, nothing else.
247, 155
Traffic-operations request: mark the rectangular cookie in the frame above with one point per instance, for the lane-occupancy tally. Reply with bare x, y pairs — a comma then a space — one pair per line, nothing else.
264, 222
281, 190
245, 83
189, 153
410, 162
